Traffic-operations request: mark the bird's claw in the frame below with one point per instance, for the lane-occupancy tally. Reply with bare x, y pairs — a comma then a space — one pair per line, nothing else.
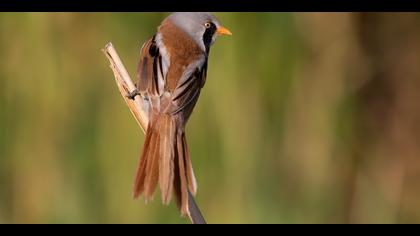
133, 94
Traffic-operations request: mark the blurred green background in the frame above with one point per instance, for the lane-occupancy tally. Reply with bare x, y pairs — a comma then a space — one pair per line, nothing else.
304, 118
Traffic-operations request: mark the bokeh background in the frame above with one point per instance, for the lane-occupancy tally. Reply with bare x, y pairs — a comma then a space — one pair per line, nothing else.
304, 118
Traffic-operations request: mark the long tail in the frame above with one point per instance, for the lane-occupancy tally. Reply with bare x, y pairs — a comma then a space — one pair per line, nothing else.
165, 159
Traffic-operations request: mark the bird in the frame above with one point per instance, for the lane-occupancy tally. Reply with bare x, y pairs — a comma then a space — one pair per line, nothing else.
171, 72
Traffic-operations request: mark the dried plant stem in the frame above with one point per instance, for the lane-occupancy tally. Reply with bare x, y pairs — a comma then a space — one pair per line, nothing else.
125, 86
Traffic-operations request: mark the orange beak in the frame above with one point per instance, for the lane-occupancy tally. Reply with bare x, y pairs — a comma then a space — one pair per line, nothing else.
223, 31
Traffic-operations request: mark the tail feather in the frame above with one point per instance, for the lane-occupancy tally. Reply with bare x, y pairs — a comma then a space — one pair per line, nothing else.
166, 164
182, 195
177, 182
152, 170
165, 159
141, 169
192, 182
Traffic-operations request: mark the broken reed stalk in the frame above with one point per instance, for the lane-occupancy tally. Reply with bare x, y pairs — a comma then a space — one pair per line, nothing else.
125, 86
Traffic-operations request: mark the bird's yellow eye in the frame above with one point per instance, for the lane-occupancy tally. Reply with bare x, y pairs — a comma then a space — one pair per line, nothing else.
207, 24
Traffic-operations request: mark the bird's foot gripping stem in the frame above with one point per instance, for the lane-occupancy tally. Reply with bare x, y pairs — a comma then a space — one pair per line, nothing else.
133, 94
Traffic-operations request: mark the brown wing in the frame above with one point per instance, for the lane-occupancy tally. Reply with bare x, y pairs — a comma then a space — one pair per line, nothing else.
187, 92
152, 82
150, 74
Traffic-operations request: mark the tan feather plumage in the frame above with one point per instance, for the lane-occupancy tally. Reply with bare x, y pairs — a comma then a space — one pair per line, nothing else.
152, 169
182, 175
192, 182
166, 165
141, 169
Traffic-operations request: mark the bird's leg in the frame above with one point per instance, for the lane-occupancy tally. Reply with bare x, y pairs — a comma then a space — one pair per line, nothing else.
133, 94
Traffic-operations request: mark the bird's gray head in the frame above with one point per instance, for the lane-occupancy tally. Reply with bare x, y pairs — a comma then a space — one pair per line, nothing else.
203, 27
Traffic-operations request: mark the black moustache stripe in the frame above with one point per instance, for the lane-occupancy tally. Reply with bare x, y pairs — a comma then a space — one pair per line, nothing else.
208, 35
